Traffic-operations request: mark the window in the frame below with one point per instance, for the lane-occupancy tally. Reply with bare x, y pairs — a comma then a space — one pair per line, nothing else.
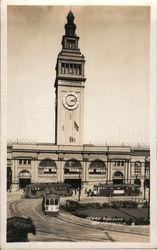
119, 163
56, 201
71, 43
72, 139
137, 168
47, 202
72, 167
29, 162
51, 202
24, 161
147, 167
20, 161
47, 166
97, 167
122, 163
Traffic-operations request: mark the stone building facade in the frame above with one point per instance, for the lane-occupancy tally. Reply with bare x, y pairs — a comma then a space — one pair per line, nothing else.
69, 160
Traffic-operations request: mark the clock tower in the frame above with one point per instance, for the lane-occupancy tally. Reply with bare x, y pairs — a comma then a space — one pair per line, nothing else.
69, 84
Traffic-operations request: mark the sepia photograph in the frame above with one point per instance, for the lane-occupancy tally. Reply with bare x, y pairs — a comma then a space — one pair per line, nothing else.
78, 124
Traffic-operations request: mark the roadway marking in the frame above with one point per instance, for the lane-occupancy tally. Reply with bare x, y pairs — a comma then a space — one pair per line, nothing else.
38, 213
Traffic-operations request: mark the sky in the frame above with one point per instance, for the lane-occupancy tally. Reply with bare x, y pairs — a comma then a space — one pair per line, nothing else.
115, 43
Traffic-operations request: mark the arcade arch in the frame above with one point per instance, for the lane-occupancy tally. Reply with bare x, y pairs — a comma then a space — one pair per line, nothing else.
118, 178
72, 173
24, 178
97, 167
47, 166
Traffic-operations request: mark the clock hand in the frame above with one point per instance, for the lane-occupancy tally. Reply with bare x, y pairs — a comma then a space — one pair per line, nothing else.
73, 100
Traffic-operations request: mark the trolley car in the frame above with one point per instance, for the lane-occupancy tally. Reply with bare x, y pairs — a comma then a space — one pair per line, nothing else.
51, 204
116, 190
40, 189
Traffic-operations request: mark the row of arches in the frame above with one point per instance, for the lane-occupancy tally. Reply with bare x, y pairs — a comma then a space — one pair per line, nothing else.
72, 166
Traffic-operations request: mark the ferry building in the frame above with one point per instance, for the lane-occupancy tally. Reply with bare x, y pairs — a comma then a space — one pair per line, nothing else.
68, 160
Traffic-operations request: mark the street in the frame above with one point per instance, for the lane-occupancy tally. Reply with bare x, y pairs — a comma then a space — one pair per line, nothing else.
67, 227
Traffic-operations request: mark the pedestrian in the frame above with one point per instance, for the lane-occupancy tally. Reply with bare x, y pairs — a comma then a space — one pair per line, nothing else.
87, 192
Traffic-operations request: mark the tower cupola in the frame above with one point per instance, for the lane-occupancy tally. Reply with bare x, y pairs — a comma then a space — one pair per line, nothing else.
70, 26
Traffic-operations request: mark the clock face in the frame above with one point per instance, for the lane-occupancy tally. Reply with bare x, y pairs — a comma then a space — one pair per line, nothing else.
70, 101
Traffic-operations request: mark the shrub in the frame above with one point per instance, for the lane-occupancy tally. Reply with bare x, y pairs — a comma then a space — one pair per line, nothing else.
82, 215
130, 204
141, 221
116, 205
105, 204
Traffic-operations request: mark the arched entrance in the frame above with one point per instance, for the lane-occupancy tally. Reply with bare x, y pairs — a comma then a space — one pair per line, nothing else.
24, 178
137, 182
118, 178
72, 173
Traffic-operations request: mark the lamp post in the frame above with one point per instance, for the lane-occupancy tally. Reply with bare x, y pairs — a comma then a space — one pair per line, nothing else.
148, 184
145, 179
148, 215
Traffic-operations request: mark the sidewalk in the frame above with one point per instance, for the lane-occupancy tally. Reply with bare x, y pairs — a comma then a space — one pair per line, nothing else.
99, 199
14, 195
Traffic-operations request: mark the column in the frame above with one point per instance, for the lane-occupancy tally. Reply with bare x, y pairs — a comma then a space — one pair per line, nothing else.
62, 171
58, 171
76, 69
82, 69
110, 171
36, 173
59, 67
83, 171
87, 163
15, 180
72, 68
16, 171
142, 188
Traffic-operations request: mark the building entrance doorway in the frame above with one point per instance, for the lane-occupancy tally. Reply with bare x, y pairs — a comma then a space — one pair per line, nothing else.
24, 182
118, 178
75, 183
24, 178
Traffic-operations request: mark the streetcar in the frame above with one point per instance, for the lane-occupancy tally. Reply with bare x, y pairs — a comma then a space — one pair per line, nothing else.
116, 190
40, 189
51, 204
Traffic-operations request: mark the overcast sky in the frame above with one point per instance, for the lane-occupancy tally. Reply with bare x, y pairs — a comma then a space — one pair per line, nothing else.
115, 43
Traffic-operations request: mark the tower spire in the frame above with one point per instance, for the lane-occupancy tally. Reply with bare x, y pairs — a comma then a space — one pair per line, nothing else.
70, 26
